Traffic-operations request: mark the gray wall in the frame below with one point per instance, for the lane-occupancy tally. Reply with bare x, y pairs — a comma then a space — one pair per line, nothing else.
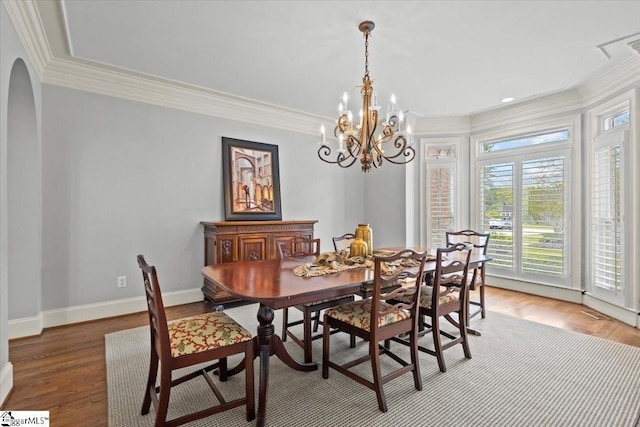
122, 178
27, 100
109, 178
385, 191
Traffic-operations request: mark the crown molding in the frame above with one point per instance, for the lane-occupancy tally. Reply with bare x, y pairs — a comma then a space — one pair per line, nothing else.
115, 82
61, 69
616, 80
49, 52
26, 20
428, 126
561, 103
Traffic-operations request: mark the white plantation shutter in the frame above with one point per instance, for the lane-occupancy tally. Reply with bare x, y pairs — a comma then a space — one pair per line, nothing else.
496, 194
442, 188
607, 226
523, 203
543, 198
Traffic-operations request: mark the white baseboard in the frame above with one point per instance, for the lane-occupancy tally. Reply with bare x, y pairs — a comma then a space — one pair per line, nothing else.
577, 296
25, 327
6, 382
19, 328
622, 314
547, 291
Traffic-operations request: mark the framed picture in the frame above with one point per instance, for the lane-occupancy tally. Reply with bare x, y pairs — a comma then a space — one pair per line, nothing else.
251, 180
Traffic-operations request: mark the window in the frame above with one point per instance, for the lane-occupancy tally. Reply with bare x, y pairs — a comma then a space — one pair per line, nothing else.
607, 208
527, 141
496, 198
615, 120
441, 191
523, 202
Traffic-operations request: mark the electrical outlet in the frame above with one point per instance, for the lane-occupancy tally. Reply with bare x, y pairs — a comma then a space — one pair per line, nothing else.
122, 281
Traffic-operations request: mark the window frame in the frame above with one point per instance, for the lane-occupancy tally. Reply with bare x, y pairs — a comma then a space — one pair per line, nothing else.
571, 151
458, 162
601, 133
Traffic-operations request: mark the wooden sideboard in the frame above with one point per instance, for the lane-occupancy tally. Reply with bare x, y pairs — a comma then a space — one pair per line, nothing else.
232, 241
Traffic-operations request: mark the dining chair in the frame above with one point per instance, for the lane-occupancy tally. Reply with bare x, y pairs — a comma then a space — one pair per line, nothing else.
343, 242
294, 248
480, 242
446, 296
378, 318
199, 339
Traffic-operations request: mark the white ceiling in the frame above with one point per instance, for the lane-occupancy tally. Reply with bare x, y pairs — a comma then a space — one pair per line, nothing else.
440, 58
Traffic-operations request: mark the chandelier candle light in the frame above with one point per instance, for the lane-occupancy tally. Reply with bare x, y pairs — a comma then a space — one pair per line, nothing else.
360, 141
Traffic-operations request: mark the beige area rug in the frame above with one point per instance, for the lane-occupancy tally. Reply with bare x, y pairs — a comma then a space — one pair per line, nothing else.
522, 374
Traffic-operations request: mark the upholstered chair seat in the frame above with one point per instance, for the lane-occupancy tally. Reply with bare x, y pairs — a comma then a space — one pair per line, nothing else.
447, 295
204, 332
358, 314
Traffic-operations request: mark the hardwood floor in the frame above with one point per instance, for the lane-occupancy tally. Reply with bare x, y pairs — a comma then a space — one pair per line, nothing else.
63, 369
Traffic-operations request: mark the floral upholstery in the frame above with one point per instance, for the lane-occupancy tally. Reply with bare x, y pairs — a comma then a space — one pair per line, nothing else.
358, 314
426, 292
204, 332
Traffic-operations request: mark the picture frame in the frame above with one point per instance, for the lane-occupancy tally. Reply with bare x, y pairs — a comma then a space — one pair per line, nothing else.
251, 179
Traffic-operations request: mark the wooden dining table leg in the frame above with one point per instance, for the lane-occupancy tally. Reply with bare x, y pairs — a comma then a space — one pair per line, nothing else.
265, 337
269, 343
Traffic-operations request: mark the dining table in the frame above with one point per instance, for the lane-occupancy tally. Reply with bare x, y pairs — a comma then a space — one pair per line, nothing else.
273, 284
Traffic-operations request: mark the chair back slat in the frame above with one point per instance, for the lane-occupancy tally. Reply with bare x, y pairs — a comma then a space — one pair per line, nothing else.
155, 305
452, 267
298, 247
480, 241
405, 282
343, 242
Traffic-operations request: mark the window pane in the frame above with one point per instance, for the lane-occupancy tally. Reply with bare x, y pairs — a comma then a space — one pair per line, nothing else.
543, 216
441, 152
620, 119
496, 201
612, 121
441, 204
606, 224
526, 141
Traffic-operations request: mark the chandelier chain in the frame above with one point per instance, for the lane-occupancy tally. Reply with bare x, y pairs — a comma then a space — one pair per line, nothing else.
366, 54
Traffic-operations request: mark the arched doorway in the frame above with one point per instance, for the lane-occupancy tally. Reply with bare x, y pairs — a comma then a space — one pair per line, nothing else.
24, 187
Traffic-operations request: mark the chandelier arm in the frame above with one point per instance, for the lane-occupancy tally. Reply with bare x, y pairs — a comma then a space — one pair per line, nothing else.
373, 126
324, 152
346, 161
403, 149
343, 164
409, 154
341, 160
343, 124
393, 123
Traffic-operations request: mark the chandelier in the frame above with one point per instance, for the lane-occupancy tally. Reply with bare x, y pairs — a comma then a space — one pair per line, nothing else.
359, 141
